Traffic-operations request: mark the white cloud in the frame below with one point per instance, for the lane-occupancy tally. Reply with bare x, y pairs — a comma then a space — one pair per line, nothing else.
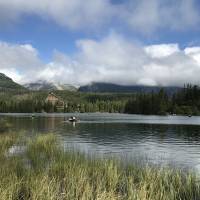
193, 52
162, 50
112, 59
18, 56
149, 16
16, 60
13, 73
69, 13
147, 81
140, 15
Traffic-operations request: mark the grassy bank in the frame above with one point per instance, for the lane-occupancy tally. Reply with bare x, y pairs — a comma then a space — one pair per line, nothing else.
42, 170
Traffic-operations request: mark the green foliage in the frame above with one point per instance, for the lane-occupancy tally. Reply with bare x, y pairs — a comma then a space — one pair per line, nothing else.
7, 83
28, 102
183, 102
154, 103
4, 126
43, 170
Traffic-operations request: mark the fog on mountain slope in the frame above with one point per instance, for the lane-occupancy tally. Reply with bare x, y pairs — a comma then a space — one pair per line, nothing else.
99, 87
44, 85
109, 87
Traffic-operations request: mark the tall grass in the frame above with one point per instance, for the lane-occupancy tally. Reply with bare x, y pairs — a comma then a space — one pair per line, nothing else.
4, 126
43, 171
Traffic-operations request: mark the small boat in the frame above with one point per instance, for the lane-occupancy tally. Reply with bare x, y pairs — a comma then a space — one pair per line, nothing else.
72, 119
32, 116
189, 115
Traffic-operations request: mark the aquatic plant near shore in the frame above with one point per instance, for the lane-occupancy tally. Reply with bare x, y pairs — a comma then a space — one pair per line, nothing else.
45, 171
4, 126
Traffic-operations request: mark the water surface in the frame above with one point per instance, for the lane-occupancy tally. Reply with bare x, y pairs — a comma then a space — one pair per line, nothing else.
158, 139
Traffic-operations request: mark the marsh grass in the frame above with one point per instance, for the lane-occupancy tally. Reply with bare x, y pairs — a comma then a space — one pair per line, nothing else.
44, 171
4, 126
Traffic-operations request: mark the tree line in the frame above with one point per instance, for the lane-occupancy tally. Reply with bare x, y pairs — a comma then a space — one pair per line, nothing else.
73, 102
30, 106
183, 102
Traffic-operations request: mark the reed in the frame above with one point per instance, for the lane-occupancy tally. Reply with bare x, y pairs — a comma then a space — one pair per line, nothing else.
43, 171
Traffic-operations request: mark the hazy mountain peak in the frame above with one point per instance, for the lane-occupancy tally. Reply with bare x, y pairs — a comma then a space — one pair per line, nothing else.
45, 85
117, 88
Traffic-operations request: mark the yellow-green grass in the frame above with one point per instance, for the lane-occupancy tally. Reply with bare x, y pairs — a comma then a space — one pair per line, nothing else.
43, 171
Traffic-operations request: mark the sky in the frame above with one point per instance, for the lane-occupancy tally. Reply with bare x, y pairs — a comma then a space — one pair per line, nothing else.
128, 42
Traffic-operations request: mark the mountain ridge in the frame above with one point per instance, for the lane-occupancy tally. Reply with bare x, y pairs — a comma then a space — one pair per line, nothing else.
116, 88
49, 86
6, 83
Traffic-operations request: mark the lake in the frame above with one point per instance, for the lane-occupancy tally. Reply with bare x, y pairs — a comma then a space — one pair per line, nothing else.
163, 140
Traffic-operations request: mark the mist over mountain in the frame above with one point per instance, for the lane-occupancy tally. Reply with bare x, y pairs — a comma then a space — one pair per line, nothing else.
115, 88
49, 86
95, 87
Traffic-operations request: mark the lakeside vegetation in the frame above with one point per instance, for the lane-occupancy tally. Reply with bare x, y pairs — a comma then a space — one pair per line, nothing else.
182, 102
41, 169
34, 101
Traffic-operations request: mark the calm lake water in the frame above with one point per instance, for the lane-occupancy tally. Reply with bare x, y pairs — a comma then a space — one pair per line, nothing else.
164, 140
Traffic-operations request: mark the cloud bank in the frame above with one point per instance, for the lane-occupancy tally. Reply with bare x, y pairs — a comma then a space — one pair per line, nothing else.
112, 59
138, 15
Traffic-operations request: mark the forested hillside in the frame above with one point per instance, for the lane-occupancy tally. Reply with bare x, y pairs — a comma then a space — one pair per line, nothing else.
34, 101
114, 88
183, 102
7, 84
158, 101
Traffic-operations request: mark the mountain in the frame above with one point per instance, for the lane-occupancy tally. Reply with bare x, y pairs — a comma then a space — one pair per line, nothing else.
114, 88
44, 85
8, 84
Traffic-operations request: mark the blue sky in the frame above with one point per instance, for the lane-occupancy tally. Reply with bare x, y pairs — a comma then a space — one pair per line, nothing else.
45, 36
78, 41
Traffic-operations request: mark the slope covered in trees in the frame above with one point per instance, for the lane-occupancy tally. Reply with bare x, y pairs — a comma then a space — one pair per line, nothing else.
7, 83
114, 88
183, 102
34, 101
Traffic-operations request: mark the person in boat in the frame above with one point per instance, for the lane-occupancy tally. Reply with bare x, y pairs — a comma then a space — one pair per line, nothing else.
72, 119
32, 116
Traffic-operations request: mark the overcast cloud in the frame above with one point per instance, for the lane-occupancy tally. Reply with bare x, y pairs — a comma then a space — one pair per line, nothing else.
111, 59
145, 16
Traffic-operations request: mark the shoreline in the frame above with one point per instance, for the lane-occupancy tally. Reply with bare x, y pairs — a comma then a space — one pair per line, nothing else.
44, 171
